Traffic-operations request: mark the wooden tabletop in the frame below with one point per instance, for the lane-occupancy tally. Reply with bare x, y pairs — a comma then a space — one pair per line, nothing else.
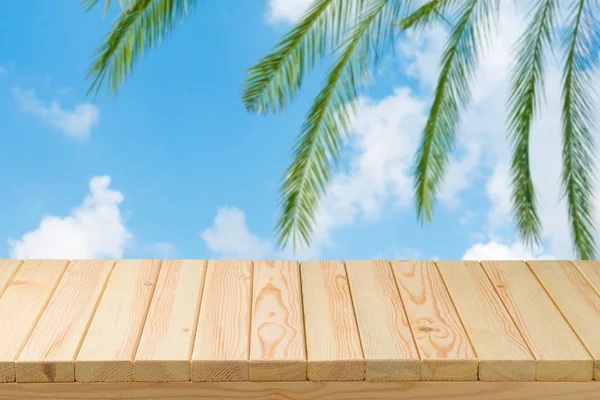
269, 321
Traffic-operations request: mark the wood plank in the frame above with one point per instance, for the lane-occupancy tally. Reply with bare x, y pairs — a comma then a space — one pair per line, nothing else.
8, 268
165, 347
21, 305
108, 348
49, 355
221, 349
277, 348
387, 341
332, 340
445, 349
559, 354
503, 353
576, 299
304, 391
591, 270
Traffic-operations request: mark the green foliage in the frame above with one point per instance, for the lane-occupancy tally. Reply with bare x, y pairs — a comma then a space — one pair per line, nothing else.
527, 85
274, 81
329, 119
358, 33
141, 26
452, 94
89, 4
581, 45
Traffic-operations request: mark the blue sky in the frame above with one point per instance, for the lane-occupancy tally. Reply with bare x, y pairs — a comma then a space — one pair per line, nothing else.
174, 167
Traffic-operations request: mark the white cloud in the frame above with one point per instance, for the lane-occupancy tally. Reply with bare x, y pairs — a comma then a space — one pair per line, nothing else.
467, 217
484, 137
287, 11
76, 123
95, 229
387, 131
483, 146
3, 70
499, 192
230, 237
494, 250
382, 148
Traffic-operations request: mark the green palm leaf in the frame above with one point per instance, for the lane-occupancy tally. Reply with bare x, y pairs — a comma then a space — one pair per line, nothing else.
328, 120
89, 4
275, 79
358, 31
429, 13
139, 28
578, 123
451, 96
526, 86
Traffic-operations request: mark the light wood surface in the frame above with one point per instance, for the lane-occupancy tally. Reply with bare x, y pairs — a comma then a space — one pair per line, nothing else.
559, 354
49, 355
576, 299
164, 352
502, 351
8, 268
221, 349
332, 341
304, 391
20, 307
591, 271
277, 348
280, 330
109, 345
387, 341
444, 347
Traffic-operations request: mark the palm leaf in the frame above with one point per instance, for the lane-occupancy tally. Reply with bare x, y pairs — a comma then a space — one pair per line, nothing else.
429, 13
275, 79
581, 44
451, 96
319, 144
89, 4
139, 28
526, 86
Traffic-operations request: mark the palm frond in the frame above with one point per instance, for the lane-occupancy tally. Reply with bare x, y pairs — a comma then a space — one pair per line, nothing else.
581, 44
527, 84
275, 80
139, 28
320, 142
429, 13
89, 4
451, 96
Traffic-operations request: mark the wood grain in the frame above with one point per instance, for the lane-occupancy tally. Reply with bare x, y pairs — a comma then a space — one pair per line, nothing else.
576, 299
165, 347
591, 270
108, 348
304, 391
8, 268
20, 307
49, 355
277, 348
332, 340
387, 341
445, 350
559, 354
503, 353
221, 348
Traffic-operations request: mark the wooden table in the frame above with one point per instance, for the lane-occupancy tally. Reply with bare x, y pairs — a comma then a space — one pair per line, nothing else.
196, 329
